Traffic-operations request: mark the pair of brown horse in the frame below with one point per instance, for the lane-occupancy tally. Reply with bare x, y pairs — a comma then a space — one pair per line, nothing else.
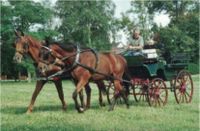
107, 64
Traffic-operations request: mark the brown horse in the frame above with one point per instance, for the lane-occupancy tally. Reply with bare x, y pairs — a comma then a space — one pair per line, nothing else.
27, 45
85, 66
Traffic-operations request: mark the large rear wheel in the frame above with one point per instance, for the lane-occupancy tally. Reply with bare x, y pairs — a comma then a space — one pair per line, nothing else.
183, 87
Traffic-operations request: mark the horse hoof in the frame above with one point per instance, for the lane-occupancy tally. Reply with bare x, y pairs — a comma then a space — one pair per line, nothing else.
127, 106
87, 107
64, 108
102, 104
28, 112
80, 110
111, 109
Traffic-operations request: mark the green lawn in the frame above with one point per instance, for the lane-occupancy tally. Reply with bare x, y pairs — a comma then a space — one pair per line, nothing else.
48, 115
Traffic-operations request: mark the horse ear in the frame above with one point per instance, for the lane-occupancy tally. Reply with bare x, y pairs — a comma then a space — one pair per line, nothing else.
22, 33
17, 33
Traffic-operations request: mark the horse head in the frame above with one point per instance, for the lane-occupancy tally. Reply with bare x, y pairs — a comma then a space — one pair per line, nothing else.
49, 59
21, 46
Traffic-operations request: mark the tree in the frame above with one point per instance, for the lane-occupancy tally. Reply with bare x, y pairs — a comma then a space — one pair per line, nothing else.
181, 35
183, 28
88, 22
23, 15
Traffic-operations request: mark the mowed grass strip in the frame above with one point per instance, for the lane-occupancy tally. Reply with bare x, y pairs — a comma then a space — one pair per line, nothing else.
48, 115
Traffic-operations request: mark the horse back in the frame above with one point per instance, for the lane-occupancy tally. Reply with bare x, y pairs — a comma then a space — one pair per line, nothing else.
116, 62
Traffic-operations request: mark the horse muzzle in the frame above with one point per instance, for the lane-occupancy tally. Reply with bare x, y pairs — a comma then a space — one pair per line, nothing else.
17, 58
59, 62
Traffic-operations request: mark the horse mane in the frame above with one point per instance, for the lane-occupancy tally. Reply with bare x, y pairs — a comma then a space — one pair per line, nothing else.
67, 46
34, 42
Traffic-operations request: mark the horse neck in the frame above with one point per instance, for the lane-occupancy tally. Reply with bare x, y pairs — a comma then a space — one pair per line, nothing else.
63, 52
34, 47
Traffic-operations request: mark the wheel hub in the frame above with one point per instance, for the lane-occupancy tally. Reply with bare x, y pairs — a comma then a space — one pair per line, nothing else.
183, 88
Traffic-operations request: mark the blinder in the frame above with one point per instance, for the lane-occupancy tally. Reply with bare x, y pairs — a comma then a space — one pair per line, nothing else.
26, 47
46, 55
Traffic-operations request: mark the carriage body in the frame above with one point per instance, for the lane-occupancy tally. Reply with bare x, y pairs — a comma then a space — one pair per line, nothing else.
148, 65
150, 73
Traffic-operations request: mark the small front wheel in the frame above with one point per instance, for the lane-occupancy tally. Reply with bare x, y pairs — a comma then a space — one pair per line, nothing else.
157, 93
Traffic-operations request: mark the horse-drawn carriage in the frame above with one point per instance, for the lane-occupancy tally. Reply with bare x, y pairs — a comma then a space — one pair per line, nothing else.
149, 74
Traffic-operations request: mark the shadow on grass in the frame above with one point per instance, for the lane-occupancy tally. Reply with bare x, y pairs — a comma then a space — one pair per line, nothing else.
47, 127
70, 107
22, 110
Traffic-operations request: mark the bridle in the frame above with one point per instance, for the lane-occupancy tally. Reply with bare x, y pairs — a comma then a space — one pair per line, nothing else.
24, 49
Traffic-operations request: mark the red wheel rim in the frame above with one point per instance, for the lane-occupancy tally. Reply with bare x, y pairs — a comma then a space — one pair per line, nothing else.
157, 93
183, 87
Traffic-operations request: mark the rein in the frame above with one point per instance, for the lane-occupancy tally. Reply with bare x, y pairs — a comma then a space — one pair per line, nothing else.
77, 63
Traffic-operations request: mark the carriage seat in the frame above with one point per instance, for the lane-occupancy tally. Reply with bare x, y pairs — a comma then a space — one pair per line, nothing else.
151, 55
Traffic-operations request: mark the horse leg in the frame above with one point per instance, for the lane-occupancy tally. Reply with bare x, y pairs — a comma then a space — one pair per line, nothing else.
123, 92
88, 93
116, 95
81, 97
79, 87
59, 88
101, 88
118, 91
37, 90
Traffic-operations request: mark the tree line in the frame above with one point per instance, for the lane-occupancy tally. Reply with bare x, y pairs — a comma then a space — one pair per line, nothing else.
93, 24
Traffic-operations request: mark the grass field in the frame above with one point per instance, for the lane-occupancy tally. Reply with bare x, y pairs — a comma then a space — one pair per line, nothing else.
48, 115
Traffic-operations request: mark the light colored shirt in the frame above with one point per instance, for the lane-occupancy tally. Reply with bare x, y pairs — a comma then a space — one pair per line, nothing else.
136, 42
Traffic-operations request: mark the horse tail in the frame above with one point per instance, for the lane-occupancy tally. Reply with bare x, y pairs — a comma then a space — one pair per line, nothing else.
127, 77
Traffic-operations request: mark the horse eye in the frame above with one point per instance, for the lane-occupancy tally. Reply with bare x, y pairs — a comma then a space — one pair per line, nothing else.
14, 45
46, 56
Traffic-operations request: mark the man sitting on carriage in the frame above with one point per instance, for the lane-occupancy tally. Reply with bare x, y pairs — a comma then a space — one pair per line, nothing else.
136, 43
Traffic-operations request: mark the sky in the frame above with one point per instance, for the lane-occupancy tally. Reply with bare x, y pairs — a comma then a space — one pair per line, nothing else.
123, 5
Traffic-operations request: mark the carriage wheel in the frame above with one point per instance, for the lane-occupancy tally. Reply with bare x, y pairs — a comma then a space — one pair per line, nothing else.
183, 87
111, 92
140, 92
157, 93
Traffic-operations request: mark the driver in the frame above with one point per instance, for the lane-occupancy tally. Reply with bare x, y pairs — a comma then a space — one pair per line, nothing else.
135, 44
136, 41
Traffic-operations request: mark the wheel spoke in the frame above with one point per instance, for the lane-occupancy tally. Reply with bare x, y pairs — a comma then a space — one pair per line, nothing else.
187, 93
186, 78
158, 101
186, 98
178, 93
139, 97
161, 100
182, 98
179, 97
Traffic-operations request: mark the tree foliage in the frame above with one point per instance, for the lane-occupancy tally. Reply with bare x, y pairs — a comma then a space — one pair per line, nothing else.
88, 22
23, 15
182, 33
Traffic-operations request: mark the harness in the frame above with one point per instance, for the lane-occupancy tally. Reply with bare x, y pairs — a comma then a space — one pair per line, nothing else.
75, 63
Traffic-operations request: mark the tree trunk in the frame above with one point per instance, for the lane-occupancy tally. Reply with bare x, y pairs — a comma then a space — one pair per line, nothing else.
29, 76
